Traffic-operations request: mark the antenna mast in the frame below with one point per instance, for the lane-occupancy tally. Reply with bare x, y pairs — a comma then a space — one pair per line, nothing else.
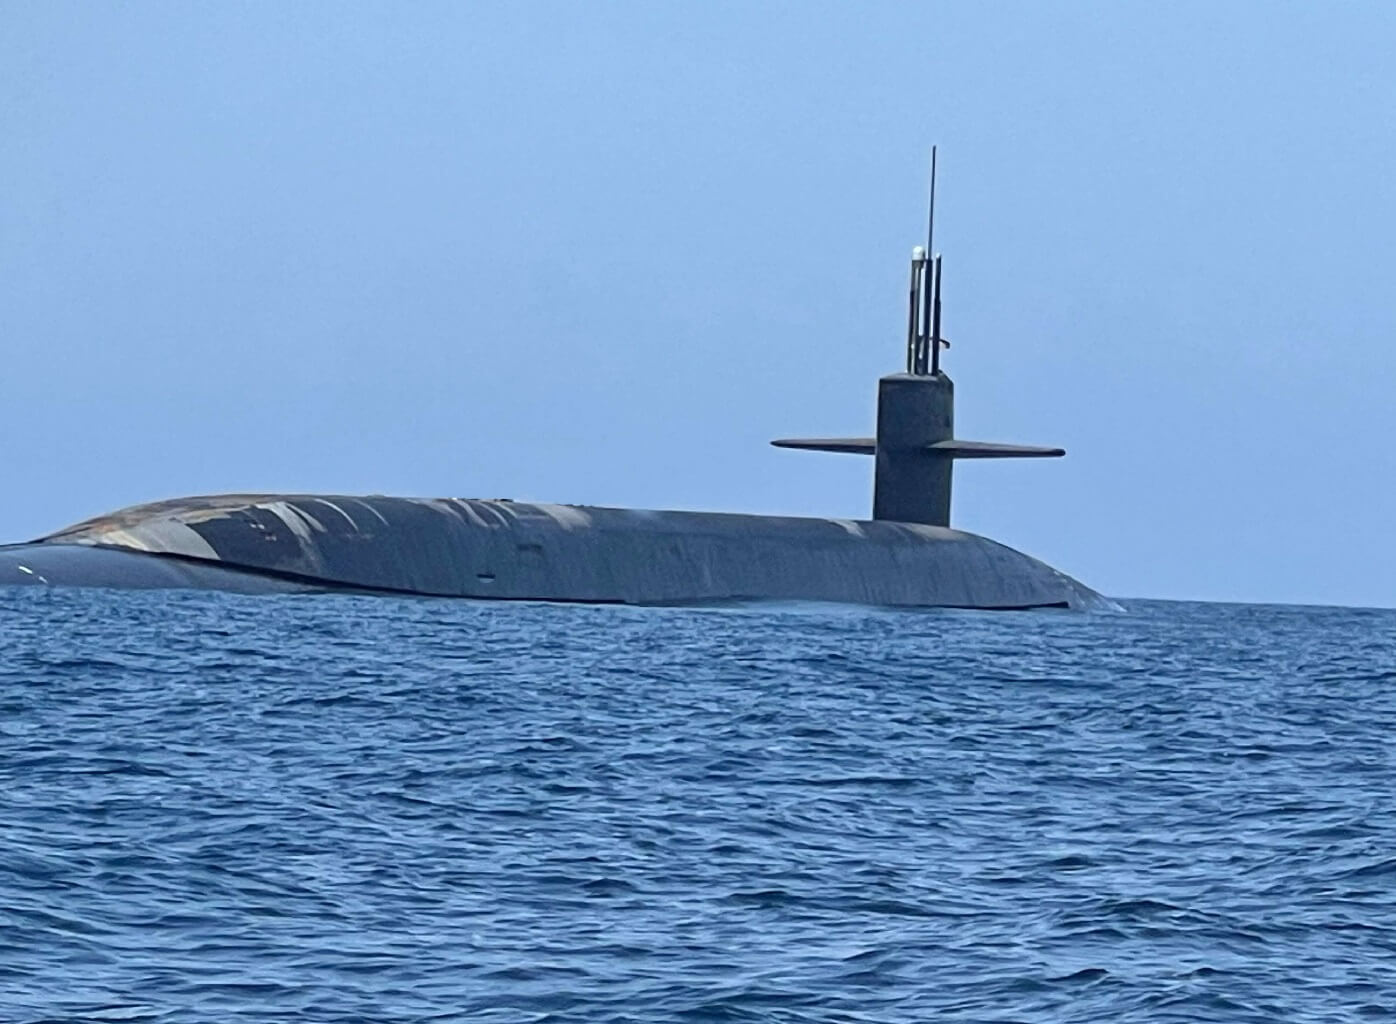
913, 321
923, 315
922, 336
927, 295
935, 319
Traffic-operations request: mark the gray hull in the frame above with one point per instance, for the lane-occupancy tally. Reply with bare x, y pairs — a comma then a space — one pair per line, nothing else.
502, 550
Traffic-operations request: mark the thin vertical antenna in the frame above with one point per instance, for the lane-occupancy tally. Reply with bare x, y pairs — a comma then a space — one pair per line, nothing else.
926, 294
931, 218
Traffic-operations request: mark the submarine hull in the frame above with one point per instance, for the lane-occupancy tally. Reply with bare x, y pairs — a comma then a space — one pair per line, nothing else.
505, 550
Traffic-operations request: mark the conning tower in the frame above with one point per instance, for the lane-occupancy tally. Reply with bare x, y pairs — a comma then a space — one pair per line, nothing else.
915, 446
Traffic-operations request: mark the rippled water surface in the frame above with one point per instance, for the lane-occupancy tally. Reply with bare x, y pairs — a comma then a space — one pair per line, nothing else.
216, 808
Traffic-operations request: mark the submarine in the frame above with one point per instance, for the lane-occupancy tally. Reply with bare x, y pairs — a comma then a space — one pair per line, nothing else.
905, 555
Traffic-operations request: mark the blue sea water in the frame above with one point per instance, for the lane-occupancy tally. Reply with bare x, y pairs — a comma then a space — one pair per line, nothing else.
325, 808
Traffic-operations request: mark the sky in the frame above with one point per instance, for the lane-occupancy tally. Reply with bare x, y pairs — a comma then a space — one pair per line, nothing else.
603, 253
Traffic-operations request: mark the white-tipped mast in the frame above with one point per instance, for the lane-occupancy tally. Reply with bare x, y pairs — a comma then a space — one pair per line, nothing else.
913, 322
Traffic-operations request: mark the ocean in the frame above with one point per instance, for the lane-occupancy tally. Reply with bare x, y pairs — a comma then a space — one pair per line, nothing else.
331, 808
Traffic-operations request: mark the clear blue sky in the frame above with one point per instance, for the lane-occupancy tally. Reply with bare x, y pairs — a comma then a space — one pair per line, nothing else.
602, 253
